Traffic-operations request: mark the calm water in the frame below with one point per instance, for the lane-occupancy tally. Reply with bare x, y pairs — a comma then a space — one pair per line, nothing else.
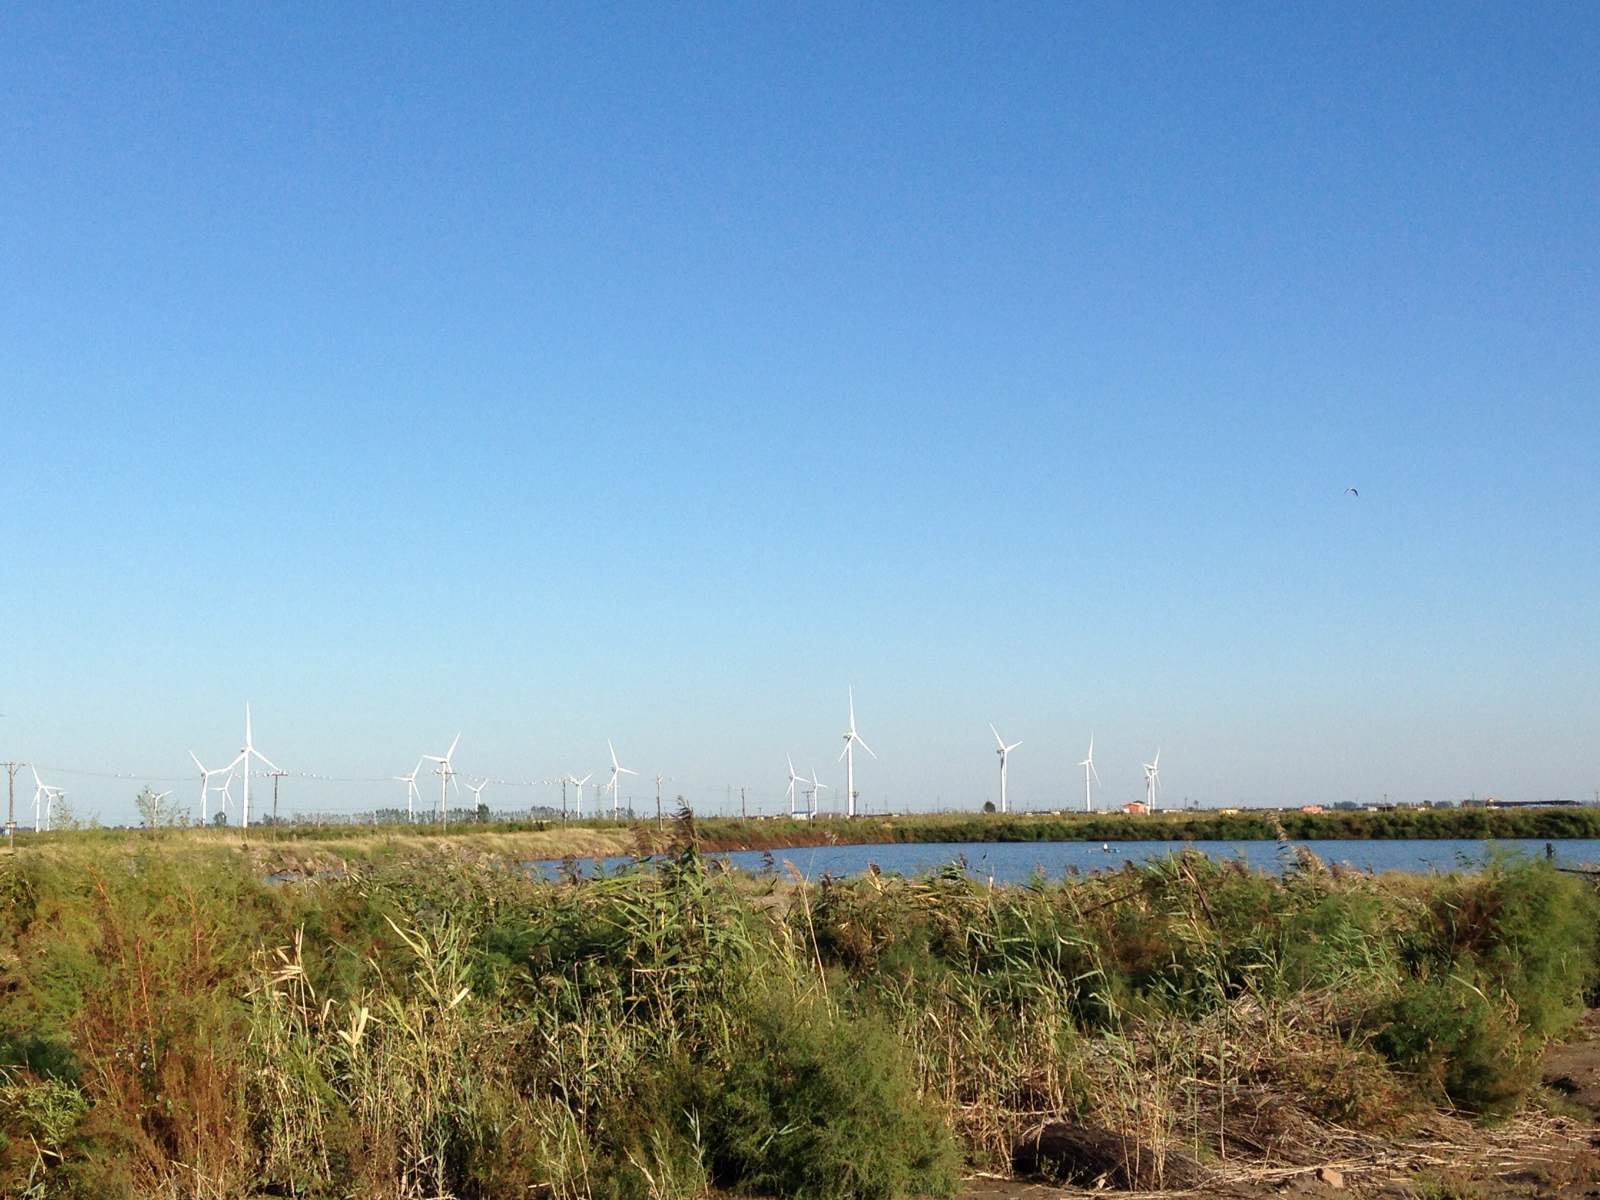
1014, 862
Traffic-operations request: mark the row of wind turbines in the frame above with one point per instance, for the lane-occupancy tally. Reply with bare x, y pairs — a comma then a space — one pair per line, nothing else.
241, 764
852, 739
447, 775
44, 800
810, 786
1091, 776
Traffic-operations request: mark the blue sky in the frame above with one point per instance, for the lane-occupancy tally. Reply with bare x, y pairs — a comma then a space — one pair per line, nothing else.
556, 374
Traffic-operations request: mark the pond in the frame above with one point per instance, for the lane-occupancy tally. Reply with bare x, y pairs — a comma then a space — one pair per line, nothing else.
1014, 862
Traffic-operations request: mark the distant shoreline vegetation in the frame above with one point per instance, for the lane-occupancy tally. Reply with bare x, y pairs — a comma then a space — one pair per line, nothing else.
530, 839
1244, 825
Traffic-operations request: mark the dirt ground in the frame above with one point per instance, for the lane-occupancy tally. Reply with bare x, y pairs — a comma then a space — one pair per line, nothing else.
1551, 1151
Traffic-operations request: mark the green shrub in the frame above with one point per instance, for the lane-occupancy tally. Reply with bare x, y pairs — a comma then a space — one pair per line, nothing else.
823, 1107
1461, 1045
38, 1118
1535, 937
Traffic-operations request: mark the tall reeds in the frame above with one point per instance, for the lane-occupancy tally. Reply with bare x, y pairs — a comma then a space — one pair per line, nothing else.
443, 1026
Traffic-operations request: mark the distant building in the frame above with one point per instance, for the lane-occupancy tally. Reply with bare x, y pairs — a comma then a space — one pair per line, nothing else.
1311, 808
1228, 812
1136, 808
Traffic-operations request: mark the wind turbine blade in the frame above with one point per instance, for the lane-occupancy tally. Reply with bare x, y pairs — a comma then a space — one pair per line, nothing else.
197, 762
627, 770
998, 740
852, 710
613, 750
450, 753
1010, 748
865, 747
843, 752
247, 741
265, 759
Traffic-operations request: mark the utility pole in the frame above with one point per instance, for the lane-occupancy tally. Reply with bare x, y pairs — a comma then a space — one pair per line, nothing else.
658, 800
744, 813
11, 803
563, 799
277, 775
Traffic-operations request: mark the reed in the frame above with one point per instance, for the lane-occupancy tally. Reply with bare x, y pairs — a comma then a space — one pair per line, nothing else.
439, 1024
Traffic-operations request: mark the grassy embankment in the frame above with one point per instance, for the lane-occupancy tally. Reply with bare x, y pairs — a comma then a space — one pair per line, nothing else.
433, 1024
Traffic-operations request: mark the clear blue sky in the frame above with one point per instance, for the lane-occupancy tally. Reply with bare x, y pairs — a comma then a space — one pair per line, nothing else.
562, 374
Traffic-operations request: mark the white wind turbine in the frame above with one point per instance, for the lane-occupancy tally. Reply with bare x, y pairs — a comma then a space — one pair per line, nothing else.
243, 761
793, 779
477, 795
413, 793
447, 778
617, 771
1152, 782
205, 785
815, 788
42, 791
852, 739
1004, 752
579, 784
1088, 770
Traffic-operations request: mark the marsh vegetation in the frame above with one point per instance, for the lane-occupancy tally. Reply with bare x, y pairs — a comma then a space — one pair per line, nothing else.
438, 1024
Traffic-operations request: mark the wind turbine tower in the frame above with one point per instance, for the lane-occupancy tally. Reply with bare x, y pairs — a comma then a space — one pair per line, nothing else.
243, 761
579, 784
205, 786
42, 792
1088, 772
793, 779
412, 794
447, 778
852, 739
617, 771
1004, 752
815, 788
1152, 782
477, 795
